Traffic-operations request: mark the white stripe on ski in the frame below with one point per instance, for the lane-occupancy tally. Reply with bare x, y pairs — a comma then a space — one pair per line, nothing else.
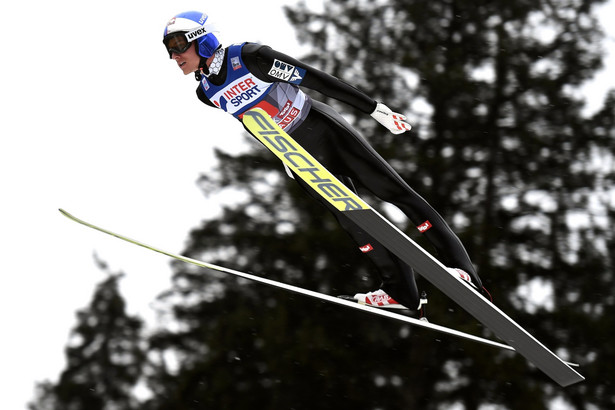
302, 291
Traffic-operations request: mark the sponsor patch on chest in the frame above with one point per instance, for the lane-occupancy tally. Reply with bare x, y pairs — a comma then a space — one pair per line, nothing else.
286, 72
239, 93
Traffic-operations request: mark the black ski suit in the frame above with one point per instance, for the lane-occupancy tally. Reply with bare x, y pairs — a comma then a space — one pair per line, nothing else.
339, 147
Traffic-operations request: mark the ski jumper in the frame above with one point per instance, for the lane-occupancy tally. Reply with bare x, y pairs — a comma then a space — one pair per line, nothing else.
253, 75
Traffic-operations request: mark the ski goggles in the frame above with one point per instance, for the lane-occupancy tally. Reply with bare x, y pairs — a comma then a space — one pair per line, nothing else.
176, 43
179, 42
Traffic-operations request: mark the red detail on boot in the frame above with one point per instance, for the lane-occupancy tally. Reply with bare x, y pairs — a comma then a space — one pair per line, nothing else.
366, 248
381, 299
425, 226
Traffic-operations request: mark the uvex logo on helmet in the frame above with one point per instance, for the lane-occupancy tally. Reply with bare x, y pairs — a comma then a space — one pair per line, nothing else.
196, 33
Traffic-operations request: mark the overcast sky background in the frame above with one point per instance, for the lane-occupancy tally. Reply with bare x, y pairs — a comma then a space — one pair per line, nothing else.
97, 120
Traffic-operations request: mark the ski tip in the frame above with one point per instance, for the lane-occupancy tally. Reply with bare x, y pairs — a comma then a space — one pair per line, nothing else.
63, 212
69, 215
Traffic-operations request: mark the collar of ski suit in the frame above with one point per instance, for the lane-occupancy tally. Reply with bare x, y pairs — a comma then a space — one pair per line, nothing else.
216, 64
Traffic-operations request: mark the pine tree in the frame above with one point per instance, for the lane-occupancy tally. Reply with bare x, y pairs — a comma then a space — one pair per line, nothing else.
503, 149
105, 357
239, 343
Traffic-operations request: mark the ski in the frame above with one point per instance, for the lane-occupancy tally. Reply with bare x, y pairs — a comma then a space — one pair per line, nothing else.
263, 128
295, 289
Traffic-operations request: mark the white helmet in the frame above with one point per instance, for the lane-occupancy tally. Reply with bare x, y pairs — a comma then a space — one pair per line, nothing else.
187, 27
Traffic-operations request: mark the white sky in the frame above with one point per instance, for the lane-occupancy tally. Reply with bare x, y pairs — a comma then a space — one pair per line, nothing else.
97, 120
